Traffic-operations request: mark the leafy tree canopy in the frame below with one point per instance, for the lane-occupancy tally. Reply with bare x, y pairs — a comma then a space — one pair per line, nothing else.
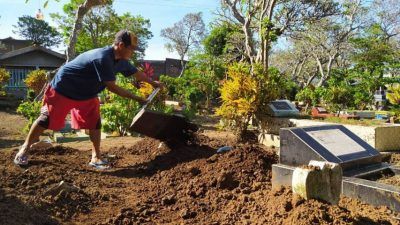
38, 31
100, 25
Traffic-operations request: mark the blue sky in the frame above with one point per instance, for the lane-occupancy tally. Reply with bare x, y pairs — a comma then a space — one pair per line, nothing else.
162, 14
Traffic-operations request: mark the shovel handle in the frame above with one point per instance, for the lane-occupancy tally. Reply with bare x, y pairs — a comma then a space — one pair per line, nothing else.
150, 98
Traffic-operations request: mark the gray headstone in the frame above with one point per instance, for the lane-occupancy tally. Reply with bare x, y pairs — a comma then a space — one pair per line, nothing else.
282, 108
332, 143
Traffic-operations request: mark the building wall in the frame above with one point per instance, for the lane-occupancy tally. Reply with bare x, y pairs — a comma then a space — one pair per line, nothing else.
169, 67
21, 65
173, 67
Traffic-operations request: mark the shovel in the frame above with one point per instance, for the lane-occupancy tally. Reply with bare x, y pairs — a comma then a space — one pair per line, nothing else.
150, 98
160, 125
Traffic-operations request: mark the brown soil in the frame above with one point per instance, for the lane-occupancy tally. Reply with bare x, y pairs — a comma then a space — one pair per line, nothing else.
11, 126
395, 159
158, 183
392, 180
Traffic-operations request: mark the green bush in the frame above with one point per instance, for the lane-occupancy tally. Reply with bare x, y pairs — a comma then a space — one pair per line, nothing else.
117, 112
29, 110
188, 90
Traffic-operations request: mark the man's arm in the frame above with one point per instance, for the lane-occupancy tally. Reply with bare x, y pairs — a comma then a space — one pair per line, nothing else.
114, 88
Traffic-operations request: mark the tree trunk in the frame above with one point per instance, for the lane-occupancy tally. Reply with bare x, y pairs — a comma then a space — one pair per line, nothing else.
310, 79
183, 66
325, 76
80, 13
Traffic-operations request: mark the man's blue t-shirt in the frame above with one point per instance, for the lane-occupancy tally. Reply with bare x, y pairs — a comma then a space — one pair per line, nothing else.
83, 78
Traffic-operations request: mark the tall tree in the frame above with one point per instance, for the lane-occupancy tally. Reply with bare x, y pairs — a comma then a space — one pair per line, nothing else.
80, 13
325, 44
100, 25
373, 54
84, 6
38, 31
185, 35
262, 21
226, 42
386, 13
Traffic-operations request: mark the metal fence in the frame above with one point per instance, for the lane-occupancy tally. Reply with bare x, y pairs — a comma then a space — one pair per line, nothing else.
18, 75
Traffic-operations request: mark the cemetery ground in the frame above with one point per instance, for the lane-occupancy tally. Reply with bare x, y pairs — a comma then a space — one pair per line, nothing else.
158, 183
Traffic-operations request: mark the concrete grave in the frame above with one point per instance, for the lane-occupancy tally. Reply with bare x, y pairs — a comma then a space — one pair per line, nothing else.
319, 180
336, 144
282, 108
332, 143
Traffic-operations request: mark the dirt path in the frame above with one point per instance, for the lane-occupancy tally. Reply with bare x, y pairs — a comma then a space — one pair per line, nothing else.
11, 129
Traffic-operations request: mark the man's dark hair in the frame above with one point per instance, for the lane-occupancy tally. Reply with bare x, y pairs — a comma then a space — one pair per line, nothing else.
125, 37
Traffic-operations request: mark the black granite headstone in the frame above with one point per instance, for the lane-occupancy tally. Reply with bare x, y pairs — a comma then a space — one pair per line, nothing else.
332, 143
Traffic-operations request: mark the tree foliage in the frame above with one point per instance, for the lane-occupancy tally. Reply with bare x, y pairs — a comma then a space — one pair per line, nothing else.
38, 31
100, 25
117, 112
374, 54
215, 43
185, 35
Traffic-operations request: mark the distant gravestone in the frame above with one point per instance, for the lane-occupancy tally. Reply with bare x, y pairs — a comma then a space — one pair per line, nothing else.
282, 108
332, 143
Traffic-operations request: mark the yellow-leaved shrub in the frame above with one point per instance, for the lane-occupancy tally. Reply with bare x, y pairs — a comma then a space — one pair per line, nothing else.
36, 80
158, 102
238, 95
394, 94
4, 77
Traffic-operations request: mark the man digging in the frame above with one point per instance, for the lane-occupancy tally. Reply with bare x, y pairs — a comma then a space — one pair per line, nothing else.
75, 88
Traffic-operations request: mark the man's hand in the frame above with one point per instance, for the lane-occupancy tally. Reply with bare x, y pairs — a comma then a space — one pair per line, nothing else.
140, 76
141, 101
158, 84
136, 83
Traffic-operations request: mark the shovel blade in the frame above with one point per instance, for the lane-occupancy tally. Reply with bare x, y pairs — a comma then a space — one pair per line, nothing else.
161, 126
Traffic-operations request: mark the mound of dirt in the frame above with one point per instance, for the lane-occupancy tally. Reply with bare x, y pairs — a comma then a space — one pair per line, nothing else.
153, 182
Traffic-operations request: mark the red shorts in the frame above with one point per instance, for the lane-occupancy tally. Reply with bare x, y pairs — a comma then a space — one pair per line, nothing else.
85, 114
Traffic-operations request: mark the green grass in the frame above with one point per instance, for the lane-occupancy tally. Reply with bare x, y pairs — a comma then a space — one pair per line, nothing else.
362, 122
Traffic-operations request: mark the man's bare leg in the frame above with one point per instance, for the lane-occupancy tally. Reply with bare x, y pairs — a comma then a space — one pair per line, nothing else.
33, 136
95, 138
